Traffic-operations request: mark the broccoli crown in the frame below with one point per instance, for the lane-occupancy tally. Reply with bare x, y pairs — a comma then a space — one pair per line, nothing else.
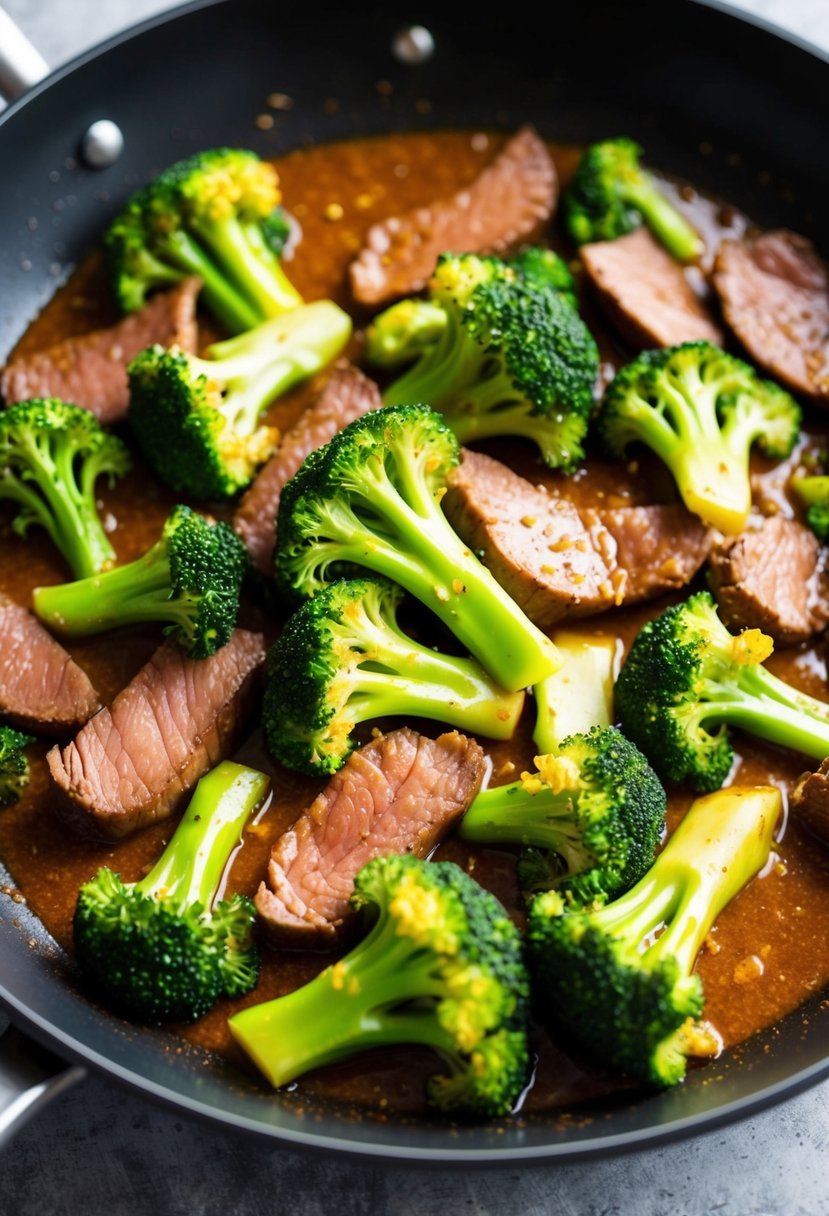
369, 499
700, 409
543, 268
514, 358
814, 493
342, 659
686, 679
161, 950
625, 991
611, 194
442, 967
14, 767
596, 807
216, 215
51, 456
403, 332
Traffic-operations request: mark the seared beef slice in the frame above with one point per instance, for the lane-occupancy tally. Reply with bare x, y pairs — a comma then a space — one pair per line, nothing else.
399, 794
133, 763
809, 802
92, 370
645, 292
41, 687
772, 579
347, 395
557, 562
509, 202
775, 296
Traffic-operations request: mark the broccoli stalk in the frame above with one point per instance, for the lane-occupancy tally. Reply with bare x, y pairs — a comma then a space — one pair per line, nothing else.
190, 579
197, 420
514, 358
625, 994
343, 659
51, 456
370, 499
700, 410
611, 195
814, 494
687, 679
161, 950
214, 215
441, 967
596, 809
579, 695
14, 767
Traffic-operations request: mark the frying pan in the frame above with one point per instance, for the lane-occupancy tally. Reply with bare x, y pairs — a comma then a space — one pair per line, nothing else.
734, 107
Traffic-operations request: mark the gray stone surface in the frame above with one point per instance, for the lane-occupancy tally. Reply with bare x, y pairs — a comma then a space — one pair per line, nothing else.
99, 1149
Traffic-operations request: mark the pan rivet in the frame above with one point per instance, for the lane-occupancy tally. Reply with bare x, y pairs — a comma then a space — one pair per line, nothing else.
102, 144
414, 44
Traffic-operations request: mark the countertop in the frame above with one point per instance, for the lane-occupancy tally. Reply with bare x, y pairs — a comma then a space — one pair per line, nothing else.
99, 1149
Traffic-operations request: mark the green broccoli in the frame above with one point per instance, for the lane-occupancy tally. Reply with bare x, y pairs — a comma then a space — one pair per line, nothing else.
161, 950
625, 992
514, 359
343, 659
687, 679
611, 195
197, 420
14, 767
369, 499
190, 579
700, 410
215, 215
51, 456
579, 695
595, 809
543, 268
442, 967
814, 494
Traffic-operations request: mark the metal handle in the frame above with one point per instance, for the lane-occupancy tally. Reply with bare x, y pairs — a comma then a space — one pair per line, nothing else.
21, 65
29, 1077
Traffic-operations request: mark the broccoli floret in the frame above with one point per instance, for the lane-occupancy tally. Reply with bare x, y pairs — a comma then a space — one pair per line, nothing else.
603, 975
369, 499
579, 695
700, 410
197, 420
14, 767
514, 358
51, 456
161, 950
687, 679
441, 967
814, 494
190, 579
596, 808
611, 194
403, 332
545, 269
343, 659
215, 215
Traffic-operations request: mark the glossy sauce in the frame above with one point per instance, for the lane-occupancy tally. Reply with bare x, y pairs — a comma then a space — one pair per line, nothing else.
770, 948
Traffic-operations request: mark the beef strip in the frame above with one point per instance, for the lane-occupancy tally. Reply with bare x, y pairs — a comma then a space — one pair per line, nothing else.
91, 370
809, 802
774, 579
556, 561
132, 764
509, 202
399, 794
775, 296
346, 396
645, 293
41, 687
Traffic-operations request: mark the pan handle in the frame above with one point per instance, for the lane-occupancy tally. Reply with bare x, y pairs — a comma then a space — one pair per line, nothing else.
29, 1077
21, 65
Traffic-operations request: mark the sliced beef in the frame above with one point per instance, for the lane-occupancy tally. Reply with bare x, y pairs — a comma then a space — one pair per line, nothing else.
651, 550
92, 370
645, 293
346, 396
509, 202
809, 802
133, 763
772, 579
41, 687
775, 296
399, 794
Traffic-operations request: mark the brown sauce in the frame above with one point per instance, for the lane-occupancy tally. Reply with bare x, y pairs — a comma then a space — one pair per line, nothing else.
770, 948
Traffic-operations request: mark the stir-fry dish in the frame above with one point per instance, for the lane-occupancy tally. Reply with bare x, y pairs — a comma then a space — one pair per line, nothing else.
412, 621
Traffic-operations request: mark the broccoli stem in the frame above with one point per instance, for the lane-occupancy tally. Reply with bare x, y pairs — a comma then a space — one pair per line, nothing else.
509, 814
250, 263
663, 219
441, 374
219, 294
761, 704
191, 868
